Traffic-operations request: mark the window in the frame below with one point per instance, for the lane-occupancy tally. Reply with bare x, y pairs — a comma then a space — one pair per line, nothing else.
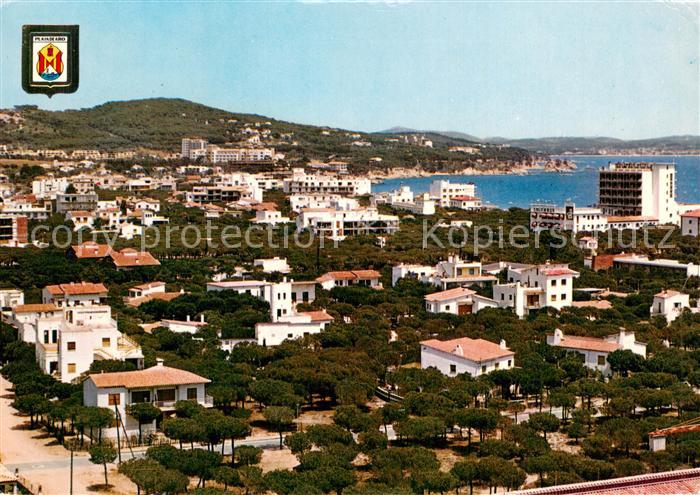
497, 365
166, 395
601, 360
46, 336
141, 396
483, 369
510, 362
503, 296
114, 399
453, 368
553, 297
71, 367
289, 335
105, 341
192, 393
70, 346
447, 307
54, 336
563, 297
563, 281
553, 283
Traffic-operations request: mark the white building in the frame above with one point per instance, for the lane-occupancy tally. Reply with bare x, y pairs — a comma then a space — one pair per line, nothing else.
10, 299
48, 187
465, 355
281, 296
453, 272
186, 326
468, 203
443, 191
639, 189
457, 301
291, 327
31, 320
595, 351
81, 219
74, 294
272, 265
270, 217
193, 148
545, 216
339, 224
404, 199
690, 223
536, 286
299, 202
68, 340
302, 183
669, 304
367, 278
160, 385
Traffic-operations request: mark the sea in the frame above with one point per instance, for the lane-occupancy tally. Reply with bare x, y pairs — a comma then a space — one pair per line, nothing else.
579, 185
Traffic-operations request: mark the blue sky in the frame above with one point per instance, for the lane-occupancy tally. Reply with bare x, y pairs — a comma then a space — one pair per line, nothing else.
628, 70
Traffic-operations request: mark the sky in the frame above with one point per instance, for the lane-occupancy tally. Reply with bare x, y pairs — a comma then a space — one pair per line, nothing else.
512, 69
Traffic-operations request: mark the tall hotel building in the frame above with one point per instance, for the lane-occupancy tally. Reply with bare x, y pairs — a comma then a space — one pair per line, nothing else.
639, 190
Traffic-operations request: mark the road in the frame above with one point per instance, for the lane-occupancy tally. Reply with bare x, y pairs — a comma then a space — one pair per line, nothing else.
270, 442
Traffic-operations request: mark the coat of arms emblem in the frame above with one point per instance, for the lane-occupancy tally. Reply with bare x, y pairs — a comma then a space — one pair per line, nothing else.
50, 59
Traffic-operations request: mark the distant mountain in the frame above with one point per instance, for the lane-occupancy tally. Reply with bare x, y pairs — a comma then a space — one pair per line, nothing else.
159, 124
451, 134
572, 144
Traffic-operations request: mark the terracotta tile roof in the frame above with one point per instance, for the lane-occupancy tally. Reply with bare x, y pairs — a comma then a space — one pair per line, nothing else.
632, 219
556, 272
587, 344
77, 288
692, 214
150, 377
320, 315
91, 250
135, 302
130, 257
349, 275
6, 476
148, 285
592, 304
667, 293
680, 482
34, 308
476, 350
81, 213
446, 295
465, 198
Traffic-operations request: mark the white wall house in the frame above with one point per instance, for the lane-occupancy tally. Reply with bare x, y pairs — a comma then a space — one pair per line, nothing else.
690, 223
536, 286
10, 298
337, 224
449, 273
300, 202
160, 385
187, 326
669, 304
595, 351
66, 348
367, 278
457, 301
74, 294
545, 216
272, 265
443, 191
281, 296
147, 289
291, 327
404, 199
270, 217
465, 355
303, 183
31, 320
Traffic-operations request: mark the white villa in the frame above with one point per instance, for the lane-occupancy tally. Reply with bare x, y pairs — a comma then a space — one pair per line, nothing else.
457, 301
536, 286
669, 304
272, 265
453, 272
160, 385
465, 355
595, 351
368, 278
291, 327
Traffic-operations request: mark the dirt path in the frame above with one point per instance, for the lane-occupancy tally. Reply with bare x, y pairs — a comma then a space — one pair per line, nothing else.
41, 460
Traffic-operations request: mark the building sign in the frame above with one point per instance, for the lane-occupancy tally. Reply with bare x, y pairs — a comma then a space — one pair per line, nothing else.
50, 59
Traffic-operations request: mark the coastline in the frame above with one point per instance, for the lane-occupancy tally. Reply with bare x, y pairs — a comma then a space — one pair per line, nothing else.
409, 173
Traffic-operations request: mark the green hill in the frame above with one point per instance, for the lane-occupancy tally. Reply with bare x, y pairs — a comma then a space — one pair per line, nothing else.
160, 124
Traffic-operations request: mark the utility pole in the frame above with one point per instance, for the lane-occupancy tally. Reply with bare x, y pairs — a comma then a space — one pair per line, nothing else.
119, 445
71, 470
